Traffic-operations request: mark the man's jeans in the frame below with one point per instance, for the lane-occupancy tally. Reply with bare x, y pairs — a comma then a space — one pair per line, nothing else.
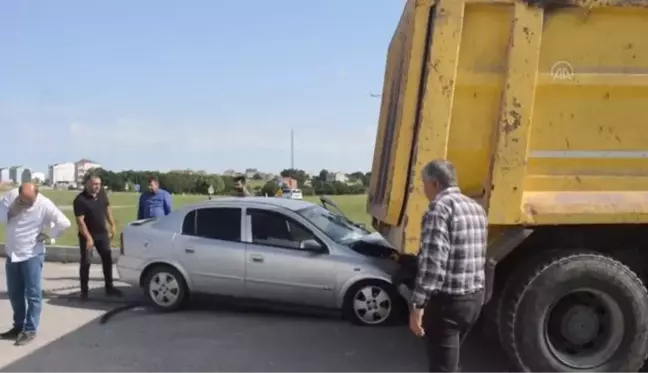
24, 290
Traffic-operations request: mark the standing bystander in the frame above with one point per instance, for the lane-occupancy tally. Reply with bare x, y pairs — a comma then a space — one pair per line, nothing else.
96, 229
27, 215
240, 187
449, 289
156, 202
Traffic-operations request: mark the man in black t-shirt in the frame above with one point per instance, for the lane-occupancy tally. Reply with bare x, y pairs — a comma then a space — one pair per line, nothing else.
96, 229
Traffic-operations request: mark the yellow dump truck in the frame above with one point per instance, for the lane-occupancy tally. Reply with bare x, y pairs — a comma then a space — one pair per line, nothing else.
542, 106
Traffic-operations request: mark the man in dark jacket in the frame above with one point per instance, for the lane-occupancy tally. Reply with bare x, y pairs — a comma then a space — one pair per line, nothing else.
155, 202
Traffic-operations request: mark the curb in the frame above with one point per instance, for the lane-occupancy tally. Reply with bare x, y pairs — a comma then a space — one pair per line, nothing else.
67, 254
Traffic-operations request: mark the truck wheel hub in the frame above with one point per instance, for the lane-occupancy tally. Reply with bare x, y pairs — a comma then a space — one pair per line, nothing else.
580, 325
579, 329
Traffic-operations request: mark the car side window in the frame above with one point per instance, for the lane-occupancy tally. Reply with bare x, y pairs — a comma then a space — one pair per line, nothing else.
218, 223
189, 224
275, 229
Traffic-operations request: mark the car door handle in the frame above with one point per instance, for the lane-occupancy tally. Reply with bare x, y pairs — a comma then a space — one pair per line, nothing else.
189, 250
257, 258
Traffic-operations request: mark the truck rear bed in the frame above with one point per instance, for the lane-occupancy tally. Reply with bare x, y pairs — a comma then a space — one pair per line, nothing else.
542, 110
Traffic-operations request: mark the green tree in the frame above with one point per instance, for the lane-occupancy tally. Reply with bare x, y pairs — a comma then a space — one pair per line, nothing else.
299, 175
323, 175
218, 184
270, 189
340, 188
188, 181
356, 176
366, 179
327, 189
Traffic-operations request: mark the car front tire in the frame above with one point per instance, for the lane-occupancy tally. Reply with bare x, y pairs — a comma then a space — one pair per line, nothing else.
373, 303
166, 288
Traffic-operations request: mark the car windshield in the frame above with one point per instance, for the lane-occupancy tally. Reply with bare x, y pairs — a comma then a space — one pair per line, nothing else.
334, 226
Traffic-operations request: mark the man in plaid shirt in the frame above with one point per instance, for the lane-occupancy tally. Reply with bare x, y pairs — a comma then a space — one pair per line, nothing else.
449, 288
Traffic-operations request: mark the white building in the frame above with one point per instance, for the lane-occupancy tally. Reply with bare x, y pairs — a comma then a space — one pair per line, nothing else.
38, 177
15, 172
4, 176
82, 167
336, 176
62, 173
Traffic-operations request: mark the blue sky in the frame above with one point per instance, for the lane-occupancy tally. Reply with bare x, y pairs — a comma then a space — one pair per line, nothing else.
201, 84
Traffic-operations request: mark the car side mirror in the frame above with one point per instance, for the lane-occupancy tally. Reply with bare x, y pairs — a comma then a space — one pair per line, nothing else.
311, 245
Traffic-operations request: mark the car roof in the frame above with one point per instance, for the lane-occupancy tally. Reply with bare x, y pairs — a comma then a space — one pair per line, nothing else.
291, 204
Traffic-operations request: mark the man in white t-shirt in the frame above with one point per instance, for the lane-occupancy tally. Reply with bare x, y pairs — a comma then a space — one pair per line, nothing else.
27, 215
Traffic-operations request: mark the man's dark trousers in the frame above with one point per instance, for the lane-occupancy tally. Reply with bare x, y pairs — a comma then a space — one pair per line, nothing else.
447, 319
102, 245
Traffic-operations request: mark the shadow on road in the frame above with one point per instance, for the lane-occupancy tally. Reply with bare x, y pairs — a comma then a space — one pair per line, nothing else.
69, 295
213, 336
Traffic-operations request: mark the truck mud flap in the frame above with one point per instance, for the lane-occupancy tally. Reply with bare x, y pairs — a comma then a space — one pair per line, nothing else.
498, 250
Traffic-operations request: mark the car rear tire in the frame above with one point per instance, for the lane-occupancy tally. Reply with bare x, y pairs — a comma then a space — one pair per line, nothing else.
373, 303
166, 288
576, 311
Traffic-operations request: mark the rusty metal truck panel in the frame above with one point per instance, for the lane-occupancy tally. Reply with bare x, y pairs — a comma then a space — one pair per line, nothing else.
541, 105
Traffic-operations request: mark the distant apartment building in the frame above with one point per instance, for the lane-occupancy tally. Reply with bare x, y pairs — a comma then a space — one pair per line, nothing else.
62, 173
4, 176
82, 167
19, 175
15, 173
336, 176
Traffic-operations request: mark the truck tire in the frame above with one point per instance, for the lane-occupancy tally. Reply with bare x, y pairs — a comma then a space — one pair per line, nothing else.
510, 289
576, 311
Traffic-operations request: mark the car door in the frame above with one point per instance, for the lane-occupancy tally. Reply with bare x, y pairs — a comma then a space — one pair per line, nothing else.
278, 269
212, 252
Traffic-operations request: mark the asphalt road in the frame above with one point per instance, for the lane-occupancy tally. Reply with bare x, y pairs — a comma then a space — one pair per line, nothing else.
208, 337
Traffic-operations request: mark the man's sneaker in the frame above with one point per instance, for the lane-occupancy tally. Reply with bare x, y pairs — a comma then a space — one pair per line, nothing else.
84, 295
25, 337
112, 291
11, 334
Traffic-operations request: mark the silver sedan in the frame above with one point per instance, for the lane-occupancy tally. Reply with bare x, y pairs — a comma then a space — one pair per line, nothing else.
270, 249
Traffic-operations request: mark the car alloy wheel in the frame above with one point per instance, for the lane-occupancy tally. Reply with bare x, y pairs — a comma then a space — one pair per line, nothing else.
372, 305
164, 289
